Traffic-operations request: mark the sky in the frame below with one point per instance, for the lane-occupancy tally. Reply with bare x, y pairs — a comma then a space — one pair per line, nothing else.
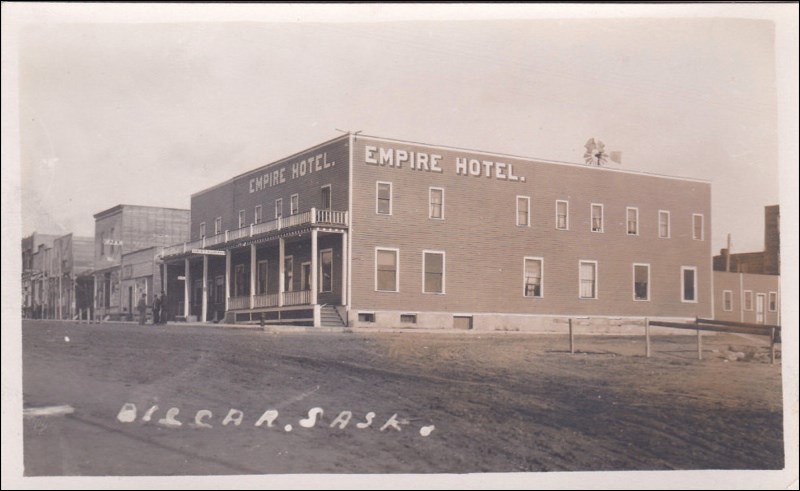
149, 113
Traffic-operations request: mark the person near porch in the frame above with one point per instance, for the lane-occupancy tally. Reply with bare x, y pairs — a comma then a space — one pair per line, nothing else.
142, 308
156, 309
163, 313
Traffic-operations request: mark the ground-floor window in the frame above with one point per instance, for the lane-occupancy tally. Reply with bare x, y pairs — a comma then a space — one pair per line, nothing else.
727, 300
532, 277
641, 282
688, 284
588, 279
239, 281
326, 271
305, 276
386, 270
261, 277
219, 289
288, 273
197, 299
773, 301
433, 272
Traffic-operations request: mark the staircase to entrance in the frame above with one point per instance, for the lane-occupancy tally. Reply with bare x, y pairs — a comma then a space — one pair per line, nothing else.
329, 317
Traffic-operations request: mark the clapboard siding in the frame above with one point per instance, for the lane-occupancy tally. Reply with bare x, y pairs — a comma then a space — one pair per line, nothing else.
485, 248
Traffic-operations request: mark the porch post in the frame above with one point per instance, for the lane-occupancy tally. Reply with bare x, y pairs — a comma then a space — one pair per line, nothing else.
73, 303
186, 285
227, 279
205, 289
94, 296
344, 268
314, 266
252, 273
281, 266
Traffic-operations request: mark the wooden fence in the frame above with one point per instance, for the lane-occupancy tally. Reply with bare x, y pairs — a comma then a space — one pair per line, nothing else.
700, 325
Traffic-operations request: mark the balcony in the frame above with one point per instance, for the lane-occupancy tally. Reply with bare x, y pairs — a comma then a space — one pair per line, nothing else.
270, 300
312, 217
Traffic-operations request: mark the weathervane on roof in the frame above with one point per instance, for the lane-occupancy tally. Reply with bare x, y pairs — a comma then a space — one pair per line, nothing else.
596, 153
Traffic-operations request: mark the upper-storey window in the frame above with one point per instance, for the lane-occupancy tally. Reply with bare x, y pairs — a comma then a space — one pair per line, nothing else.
663, 224
294, 204
597, 217
217, 225
697, 226
278, 208
562, 215
383, 198
202, 230
257, 218
436, 203
325, 195
523, 211
241, 218
632, 215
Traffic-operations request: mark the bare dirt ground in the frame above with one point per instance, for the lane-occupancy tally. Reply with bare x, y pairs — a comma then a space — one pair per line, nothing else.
487, 402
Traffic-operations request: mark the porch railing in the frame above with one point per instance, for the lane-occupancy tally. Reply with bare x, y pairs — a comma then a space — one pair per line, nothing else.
268, 300
313, 216
238, 303
302, 297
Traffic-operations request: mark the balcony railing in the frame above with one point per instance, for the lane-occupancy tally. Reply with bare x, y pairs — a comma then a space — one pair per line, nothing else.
332, 217
314, 216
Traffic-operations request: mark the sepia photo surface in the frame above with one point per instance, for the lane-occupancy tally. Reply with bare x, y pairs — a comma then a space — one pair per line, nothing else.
388, 245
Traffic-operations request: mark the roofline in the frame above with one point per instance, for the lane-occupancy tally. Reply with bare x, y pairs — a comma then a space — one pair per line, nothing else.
76, 237
545, 161
309, 149
113, 209
137, 251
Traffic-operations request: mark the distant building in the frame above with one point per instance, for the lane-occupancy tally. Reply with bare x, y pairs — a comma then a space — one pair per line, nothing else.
747, 297
767, 261
35, 273
120, 231
71, 281
747, 284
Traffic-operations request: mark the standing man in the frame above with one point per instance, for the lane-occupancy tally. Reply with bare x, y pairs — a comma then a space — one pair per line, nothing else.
163, 313
156, 310
142, 308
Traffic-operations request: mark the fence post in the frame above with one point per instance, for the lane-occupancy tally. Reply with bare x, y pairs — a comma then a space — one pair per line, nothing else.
571, 338
699, 339
772, 347
647, 337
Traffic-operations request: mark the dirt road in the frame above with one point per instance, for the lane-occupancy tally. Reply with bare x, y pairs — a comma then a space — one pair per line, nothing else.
446, 403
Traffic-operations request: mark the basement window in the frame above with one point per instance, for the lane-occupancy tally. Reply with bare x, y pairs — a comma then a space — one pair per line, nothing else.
408, 318
366, 317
